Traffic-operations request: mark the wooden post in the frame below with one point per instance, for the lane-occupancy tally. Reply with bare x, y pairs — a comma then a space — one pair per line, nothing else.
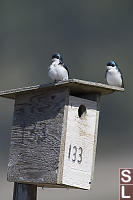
24, 191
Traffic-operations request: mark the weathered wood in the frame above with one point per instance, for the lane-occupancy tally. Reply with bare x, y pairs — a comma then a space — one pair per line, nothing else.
76, 87
54, 133
36, 137
24, 192
44, 127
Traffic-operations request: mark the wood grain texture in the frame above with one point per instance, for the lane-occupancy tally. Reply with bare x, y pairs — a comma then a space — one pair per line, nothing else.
36, 137
62, 145
24, 192
47, 127
76, 87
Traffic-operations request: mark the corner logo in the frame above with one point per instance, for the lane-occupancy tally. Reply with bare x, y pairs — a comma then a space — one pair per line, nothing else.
126, 183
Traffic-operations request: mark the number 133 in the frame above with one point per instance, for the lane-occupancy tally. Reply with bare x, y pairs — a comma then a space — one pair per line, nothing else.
75, 153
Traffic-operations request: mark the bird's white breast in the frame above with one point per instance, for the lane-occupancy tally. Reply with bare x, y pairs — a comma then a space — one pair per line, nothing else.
114, 78
57, 72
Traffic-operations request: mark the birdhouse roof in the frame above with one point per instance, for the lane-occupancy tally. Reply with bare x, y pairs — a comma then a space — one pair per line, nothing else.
76, 86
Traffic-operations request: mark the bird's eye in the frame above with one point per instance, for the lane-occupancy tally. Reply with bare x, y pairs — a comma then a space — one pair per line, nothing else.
56, 57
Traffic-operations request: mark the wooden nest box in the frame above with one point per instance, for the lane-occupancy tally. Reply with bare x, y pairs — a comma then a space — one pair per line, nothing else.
54, 133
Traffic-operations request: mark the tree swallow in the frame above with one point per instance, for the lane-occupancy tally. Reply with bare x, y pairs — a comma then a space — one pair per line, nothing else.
113, 74
58, 71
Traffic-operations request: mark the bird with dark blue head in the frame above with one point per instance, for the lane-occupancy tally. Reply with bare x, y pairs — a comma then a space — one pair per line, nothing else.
57, 56
113, 74
58, 71
111, 63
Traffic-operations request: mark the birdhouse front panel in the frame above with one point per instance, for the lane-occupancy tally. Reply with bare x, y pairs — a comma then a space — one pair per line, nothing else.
80, 142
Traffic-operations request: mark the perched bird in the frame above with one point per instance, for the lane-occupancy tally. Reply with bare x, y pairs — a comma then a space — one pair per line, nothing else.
113, 74
58, 71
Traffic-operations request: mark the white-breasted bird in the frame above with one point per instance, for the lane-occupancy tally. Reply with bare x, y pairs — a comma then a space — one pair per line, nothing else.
113, 74
58, 71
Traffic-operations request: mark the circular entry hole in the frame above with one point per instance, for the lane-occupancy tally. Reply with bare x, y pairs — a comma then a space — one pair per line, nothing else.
81, 110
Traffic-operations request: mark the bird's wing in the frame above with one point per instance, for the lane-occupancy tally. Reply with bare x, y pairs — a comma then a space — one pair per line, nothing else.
122, 80
66, 68
106, 73
121, 76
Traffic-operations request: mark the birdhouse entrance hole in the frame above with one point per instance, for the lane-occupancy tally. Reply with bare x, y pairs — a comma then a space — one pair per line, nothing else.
81, 110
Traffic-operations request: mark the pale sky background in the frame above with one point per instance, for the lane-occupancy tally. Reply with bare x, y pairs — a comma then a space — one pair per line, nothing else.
88, 34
